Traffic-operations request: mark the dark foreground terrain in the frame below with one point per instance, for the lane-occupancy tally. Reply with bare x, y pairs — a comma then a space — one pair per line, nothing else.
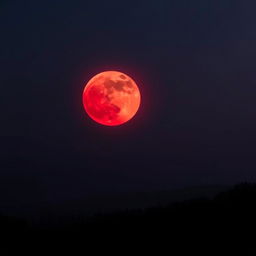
224, 225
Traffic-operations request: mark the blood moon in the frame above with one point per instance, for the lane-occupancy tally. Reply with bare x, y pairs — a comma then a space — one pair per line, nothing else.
111, 98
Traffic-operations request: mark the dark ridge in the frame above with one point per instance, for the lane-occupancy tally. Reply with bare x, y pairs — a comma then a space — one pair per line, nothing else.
223, 225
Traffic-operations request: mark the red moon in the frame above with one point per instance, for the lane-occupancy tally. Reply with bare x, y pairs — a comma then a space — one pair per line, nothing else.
111, 98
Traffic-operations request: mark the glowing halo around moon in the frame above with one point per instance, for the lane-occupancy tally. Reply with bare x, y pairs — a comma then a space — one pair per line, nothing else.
111, 98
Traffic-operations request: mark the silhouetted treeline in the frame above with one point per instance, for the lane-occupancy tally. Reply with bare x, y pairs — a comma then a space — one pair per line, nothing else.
225, 225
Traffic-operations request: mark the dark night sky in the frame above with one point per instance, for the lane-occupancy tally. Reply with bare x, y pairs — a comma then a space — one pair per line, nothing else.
194, 62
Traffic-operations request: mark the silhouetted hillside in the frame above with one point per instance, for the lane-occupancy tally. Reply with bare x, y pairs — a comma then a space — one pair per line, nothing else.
223, 225
108, 203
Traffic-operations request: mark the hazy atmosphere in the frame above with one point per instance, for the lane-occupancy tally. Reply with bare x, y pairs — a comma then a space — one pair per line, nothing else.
194, 62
